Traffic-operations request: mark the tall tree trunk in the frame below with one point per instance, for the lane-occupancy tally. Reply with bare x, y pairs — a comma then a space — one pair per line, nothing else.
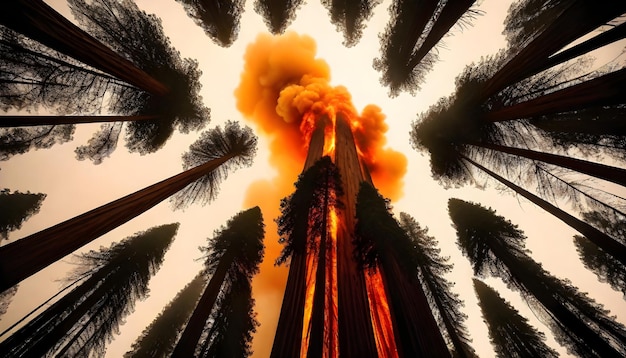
598, 170
600, 91
416, 330
316, 341
593, 121
356, 335
602, 240
23, 258
26, 121
42, 23
188, 341
50, 315
607, 37
558, 310
579, 19
452, 11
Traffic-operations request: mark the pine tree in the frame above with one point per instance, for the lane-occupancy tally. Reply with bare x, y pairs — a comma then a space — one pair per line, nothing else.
17, 207
510, 333
84, 320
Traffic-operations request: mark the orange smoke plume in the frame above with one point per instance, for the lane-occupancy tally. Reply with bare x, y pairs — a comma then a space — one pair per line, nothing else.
282, 90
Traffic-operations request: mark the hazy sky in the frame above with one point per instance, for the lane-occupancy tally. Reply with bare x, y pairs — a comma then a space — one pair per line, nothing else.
77, 186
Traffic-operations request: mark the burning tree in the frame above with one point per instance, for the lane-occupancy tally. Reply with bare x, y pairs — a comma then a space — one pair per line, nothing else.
331, 306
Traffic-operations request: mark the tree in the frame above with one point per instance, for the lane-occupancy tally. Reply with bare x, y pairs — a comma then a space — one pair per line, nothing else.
159, 338
84, 320
415, 28
510, 333
431, 268
553, 32
495, 247
233, 257
17, 207
5, 299
223, 149
218, 18
41, 23
277, 14
125, 28
302, 219
380, 242
605, 266
349, 17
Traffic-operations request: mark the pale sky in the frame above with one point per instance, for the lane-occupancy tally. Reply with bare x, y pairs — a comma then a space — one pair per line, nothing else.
74, 187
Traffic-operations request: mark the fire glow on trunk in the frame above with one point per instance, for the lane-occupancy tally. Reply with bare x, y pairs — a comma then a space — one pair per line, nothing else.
285, 90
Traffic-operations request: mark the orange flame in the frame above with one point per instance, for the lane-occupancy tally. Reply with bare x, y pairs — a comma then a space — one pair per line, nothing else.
283, 89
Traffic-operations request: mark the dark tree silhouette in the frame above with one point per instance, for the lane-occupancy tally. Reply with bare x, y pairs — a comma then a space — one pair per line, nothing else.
17, 207
562, 23
15, 141
233, 257
84, 320
297, 233
223, 150
5, 299
218, 18
510, 333
277, 14
159, 338
495, 247
431, 270
40, 22
125, 28
380, 242
349, 16
233, 324
605, 266
414, 30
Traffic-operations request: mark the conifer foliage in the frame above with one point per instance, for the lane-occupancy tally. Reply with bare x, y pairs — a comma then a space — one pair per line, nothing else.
159, 338
233, 257
82, 322
510, 333
496, 247
17, 207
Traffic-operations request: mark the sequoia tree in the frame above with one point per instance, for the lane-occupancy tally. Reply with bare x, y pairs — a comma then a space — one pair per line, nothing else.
82, 322
17, 207
218, 18
277, 14
496, 247
214, 154
233, 257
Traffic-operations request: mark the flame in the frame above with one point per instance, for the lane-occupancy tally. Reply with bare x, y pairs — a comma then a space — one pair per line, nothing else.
283, 90
331, 324
381, 317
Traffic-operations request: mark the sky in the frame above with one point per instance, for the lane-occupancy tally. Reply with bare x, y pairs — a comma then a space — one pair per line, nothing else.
73, 187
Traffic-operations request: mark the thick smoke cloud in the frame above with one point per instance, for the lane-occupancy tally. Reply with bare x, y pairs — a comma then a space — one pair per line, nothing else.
283, 83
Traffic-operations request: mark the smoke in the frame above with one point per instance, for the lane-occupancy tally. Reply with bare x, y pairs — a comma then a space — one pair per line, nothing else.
283, 84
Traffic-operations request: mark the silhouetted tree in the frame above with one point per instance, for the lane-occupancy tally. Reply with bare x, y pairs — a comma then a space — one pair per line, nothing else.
40, 22
5, 299
233, 324
298, 234
159, 338
415, 28
17, 207
510, 333
218, 18
84, 320
536, 35
380, 242
606, 267
495, 246
15, 141
349, 16
126, 29
233, 257
431, 268
277, 14
223, 150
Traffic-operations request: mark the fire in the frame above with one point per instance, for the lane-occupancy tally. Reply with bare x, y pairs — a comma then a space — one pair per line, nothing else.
284, 89
381, 317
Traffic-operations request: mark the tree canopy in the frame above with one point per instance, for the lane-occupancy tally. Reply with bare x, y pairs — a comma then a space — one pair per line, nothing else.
17, 207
